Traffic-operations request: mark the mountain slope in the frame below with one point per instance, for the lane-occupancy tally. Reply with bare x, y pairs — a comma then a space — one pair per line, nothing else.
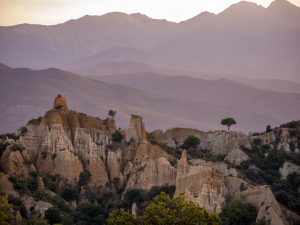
219, 92
26, 94
245, 39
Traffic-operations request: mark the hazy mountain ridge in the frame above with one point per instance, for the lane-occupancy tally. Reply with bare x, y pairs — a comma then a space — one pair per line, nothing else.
266, 45
25, 93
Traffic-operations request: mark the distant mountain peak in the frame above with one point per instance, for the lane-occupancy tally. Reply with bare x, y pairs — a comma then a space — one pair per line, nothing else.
4, 67
282, 5
243, 7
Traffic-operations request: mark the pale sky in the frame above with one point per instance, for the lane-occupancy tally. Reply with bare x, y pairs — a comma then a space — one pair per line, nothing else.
57, 11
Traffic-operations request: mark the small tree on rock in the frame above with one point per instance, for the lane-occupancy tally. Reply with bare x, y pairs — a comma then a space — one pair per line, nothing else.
112, 113
228, 122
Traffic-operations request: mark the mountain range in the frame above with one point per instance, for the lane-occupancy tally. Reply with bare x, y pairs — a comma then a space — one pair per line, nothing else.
245, 40
164, 101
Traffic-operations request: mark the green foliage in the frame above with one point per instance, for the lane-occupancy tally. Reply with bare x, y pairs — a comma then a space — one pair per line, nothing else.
228, 122
23, 130
70, 194
267, 161
89, 214
268, 129
84, 178
237, 213
117, 136
56, 201
5, 207
36, 222
164, 210
53, 215
17, 147
67, 220
293, 124
191, 142
18, 205
142, 198
112, 113
25, 186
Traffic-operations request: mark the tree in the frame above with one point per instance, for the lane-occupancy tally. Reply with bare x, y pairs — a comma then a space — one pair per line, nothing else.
112, 113
84, 178
4, 210
268, 129
53, 215
191, 142
89, 214
237, 213
228, 122
164, 210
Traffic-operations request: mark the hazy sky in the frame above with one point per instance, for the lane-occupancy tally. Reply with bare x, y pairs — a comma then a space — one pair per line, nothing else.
56, 11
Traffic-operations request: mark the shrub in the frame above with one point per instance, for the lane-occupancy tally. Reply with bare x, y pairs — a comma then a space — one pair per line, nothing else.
117, 136
70, 194
84, 178
53, 215
89, 214
236, 213
191, 142
164, 210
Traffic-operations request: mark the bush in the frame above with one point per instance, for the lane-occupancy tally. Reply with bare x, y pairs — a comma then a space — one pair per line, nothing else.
89, 214
164, 210
117, 136
70, 194
237, 213
191, 142
53, 215
84, 178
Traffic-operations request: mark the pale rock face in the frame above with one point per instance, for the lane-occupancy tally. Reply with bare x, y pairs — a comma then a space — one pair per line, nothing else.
57, 155
65, 142
284, 140
263, 199
97, 169
266, 138
13, 163
150, 167
236, 157
113, 163
6, 187
136, 130
134, 209
289, 168
217, 142
35, 209
201, 184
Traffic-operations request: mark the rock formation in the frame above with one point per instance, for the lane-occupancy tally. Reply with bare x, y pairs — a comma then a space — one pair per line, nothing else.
64, 143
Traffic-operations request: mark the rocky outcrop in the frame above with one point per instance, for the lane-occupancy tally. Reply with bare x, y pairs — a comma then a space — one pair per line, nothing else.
201, 184
150, 167
136, 131
227, 143
35, 209
263, 199
236, 157
6, 187
60, 102
14, 162
64, 143
289, 168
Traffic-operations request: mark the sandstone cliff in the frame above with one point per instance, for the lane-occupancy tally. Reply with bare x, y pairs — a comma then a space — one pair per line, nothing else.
64, 143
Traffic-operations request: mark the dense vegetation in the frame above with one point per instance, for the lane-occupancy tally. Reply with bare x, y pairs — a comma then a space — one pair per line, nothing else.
263, 168
237, 213
164, 210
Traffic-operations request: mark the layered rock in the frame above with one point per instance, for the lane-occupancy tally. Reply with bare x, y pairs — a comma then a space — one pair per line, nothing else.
150, 165
289, 168
227, 143
136, 131
201, 184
